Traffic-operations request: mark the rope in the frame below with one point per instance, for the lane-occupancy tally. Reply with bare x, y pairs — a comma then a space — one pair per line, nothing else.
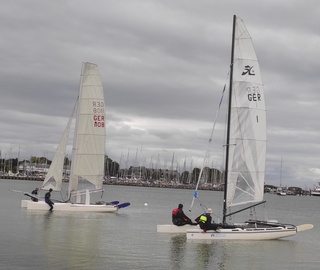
206, 158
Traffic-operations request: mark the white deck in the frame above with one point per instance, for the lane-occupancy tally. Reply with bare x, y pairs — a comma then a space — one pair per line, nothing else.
42, 206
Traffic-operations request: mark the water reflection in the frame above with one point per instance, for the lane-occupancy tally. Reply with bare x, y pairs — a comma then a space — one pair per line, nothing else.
202, 255
211, 255
46, 219
74, 239
177, 250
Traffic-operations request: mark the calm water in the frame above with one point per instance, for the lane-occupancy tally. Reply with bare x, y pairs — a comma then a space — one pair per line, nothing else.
129, 240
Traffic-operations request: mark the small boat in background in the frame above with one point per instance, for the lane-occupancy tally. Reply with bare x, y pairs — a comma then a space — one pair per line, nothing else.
281, 191
316, 190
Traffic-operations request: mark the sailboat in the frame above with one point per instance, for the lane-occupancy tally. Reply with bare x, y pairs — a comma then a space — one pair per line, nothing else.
316, 190
281, 190
88, 154
245, 149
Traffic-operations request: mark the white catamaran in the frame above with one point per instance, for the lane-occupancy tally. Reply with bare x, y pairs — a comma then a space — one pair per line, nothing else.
245, 148
88, 154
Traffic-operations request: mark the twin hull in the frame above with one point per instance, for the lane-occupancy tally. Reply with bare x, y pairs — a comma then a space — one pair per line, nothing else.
70, 207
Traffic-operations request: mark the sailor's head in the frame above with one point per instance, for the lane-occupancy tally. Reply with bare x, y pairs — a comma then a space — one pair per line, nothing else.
209, 211
180, 206
50, 189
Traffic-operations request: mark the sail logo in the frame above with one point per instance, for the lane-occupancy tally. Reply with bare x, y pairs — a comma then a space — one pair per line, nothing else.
248, 70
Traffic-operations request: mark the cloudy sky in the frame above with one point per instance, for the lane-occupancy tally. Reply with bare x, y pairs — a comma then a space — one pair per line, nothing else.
163, 66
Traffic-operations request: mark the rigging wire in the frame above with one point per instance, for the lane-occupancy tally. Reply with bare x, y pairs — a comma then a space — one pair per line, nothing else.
206, 157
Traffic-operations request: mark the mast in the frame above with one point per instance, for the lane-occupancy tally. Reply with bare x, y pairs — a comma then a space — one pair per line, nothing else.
73, 180
229, 120
281, 173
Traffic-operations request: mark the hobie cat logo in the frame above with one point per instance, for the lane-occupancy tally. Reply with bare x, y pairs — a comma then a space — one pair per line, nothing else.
248, 70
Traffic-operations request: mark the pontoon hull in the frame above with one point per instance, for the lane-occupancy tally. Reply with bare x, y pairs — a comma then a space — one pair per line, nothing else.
69, 207
242, 234
170, 228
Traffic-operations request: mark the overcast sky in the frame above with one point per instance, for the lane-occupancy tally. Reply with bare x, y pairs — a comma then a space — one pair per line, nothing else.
163, 66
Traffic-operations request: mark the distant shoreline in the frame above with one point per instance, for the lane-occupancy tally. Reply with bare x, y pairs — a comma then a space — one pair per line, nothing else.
140, 183
123, 183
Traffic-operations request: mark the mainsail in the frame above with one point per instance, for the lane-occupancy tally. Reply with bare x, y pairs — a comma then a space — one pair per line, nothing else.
88, 152
246, 144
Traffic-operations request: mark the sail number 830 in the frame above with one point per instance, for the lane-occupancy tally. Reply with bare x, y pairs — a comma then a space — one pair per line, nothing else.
98, 117
98, 107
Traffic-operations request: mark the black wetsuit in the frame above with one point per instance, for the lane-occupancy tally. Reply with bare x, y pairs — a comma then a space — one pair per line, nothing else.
179, 218
48, 200
204, 221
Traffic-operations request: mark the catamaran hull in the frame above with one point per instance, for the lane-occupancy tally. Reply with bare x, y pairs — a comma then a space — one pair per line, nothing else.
242, 234
170, 228
69, 207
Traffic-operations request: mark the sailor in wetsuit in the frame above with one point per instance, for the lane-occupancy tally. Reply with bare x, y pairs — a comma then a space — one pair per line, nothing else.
179, 218
205, 220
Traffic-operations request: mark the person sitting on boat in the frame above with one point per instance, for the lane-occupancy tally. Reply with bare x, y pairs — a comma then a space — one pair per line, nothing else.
179, 218
205, 220
35, 193
48, 200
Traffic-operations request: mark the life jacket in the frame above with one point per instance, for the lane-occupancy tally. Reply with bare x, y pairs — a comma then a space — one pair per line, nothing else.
175, 211
203, 219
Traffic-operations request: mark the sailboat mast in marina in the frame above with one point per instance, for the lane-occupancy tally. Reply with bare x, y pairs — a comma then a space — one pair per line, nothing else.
281, 190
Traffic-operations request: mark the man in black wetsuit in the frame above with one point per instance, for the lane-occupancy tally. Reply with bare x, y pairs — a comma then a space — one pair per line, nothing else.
48, 200
35, 193
179, 218
205, 221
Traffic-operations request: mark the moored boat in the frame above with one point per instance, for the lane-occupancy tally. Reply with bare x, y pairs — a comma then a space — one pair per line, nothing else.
316, 190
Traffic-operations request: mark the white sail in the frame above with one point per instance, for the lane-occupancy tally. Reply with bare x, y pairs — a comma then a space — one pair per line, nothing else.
247, 143
54, 176
89, 140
